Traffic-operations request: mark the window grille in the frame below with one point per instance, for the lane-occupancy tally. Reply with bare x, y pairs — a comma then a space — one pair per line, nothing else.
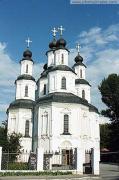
26, 91
63, 83
62, 59
83, 94
27, 128
66, 124
27, 68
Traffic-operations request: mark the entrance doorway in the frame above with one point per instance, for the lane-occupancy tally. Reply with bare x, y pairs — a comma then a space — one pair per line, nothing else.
67, 156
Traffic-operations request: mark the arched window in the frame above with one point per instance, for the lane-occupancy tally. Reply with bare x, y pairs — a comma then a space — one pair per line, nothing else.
27, 128
63, 83
44, 90
62, 58
66, 124
83, 94
27, 68
80, 73
26, 91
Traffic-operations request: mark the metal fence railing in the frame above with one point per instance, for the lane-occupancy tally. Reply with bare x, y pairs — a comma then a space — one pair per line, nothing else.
62, 160
15, 161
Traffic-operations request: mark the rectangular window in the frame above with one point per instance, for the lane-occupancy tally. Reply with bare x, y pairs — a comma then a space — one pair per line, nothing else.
26, 91
63, 83
66, 124
44, 89
27, 128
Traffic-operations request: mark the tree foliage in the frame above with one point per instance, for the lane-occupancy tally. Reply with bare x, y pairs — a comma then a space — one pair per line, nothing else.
109, 89
9, 142
104, 136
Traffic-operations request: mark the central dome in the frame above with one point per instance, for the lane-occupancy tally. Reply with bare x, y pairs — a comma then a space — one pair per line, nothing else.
61, 43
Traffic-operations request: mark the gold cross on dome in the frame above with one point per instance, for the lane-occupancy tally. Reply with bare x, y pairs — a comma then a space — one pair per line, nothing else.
28, 41
54, 31
61, 29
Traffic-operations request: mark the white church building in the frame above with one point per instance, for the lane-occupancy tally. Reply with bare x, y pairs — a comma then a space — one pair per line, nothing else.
55, 112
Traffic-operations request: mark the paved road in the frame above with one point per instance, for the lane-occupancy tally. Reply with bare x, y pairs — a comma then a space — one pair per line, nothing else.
107, 172
110, 172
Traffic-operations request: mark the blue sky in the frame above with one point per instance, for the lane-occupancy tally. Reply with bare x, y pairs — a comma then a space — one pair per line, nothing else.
95, 27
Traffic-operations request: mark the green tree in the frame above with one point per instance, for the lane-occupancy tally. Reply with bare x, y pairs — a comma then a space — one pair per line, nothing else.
9, 142
3, 137
109, 89
104, 135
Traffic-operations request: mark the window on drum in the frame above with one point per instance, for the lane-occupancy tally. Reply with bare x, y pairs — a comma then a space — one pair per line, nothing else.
26, 91
63, 83
66, 124
27, 128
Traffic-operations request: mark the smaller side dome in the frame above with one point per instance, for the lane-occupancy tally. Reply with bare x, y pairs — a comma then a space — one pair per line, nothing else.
78, 58
61, 43
52, 45
27, 54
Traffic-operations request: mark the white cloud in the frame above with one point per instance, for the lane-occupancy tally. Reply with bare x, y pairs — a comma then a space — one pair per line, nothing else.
9, 70
3, 107
100, 50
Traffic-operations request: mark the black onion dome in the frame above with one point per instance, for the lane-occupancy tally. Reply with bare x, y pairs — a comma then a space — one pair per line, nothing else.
61, 43
45, 66
78, 58
52, 45
27, 54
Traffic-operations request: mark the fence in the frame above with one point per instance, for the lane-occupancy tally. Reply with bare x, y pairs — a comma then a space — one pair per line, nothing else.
15, 161
66, 159
60, 160
87, 166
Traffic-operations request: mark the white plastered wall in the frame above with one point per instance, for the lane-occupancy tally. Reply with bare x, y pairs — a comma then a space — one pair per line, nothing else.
83, 126
77, 71
86, 88
41, 83
51, 60
54, 81
58, 57
24, 63
20, 89
16, 123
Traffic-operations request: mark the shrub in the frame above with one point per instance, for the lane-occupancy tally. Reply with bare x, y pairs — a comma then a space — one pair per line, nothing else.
44, 173
18, 166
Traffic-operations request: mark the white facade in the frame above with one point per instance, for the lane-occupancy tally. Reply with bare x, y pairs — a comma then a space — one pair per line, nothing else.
20, 116
27, 67
16, 123
80, 88
61, 57
20, 89
55, 78
80, 71
61, 118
